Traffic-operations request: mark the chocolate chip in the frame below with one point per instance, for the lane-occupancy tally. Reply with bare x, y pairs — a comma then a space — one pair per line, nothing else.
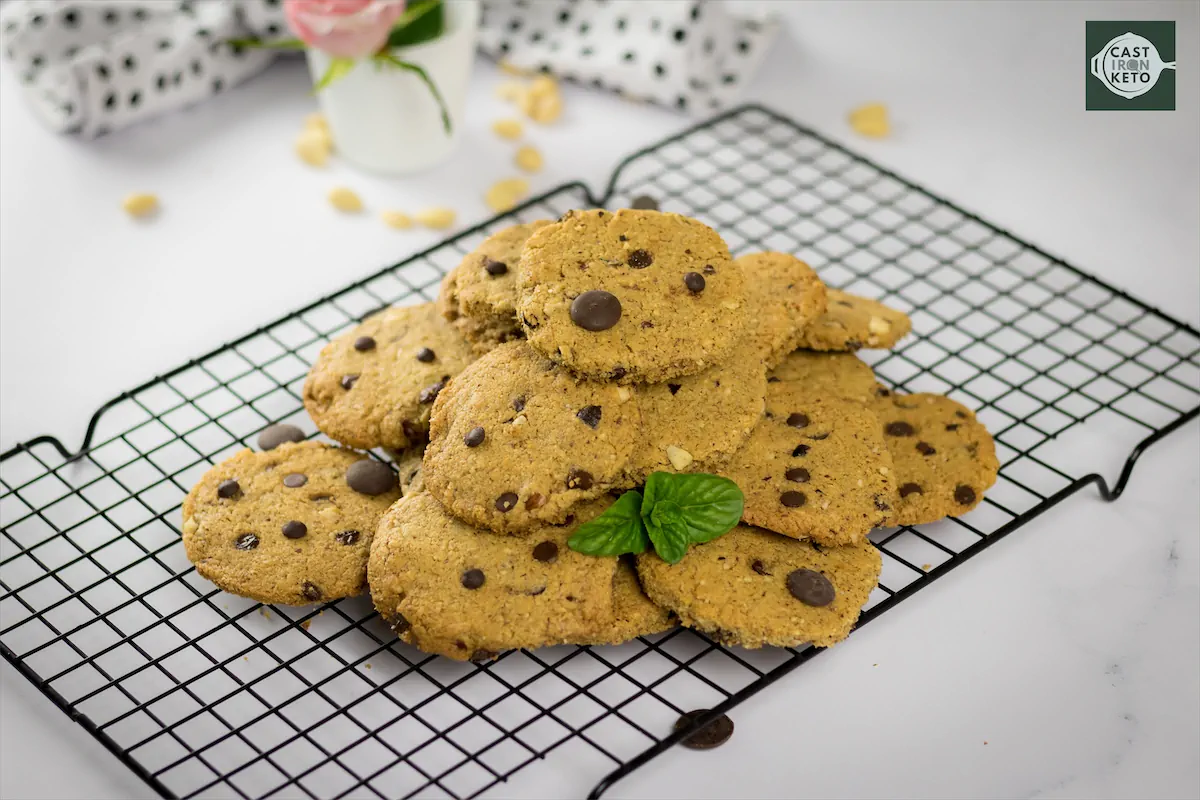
798, 420
618, 373
772, 379
535, 501
899, 428
960, 414
370, 477
590, 416
319, 498
472, 579
228, 489
910, 488
275, 435
818, 437
348, 381
882, 391
809, 587
247, 541
430, 392
295, 480
644, 202
964, 495
758, 567
347, 537
596, 310
579, 479
364, 343
797, 474
647, 324
793, 499
881, 504
518, 404
709, 269
425, 355
925, 448
482, 656
694, 282
801, 450
493, 267
714, 734
311, 591
674, 388
506, 502
474, 437
398, 623
295, 530
640, 259
953, 426
546, 552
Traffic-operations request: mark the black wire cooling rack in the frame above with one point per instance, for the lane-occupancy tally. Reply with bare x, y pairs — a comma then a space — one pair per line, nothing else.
206, 694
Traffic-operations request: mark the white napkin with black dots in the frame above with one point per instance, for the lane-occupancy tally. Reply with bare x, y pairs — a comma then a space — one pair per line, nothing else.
95, 66
692, 56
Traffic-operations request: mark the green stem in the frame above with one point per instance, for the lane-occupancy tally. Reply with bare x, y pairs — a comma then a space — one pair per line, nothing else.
424, 76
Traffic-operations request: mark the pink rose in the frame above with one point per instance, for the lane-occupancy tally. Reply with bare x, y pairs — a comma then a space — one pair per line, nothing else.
343, 28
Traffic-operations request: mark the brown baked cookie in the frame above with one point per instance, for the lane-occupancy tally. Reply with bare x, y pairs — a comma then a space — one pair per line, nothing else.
408, 468
695, 423
375, 386
291, 525
633, 613
752, 587
945, 459
516, 441
842, 375
466, 593
479, 296
785, 295
851, 322
632, 296
814, 468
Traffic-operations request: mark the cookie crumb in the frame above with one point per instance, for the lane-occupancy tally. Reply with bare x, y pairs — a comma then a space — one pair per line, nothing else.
397, 219
871, 120
529, 159
264, 612
507, 128
926, 567
306, 624
436, 218
345, 200
140, 205
367, 665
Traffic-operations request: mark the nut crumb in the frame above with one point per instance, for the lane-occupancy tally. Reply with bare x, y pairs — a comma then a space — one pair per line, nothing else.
437, 218
878, 325
306, 624
624, 393
520, 419
871, 120
140, 205
506, 193
529, 159
397, 219
313, 146
316, 120
345, 200
507, 128
680, 459
926, 567
367, 665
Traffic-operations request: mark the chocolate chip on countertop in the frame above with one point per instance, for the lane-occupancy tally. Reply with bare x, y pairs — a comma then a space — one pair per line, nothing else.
370, 477
714, 734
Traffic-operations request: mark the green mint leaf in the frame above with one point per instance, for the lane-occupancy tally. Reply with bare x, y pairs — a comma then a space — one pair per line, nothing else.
708, 506
668, 532
421, 21
338, 68
618, 530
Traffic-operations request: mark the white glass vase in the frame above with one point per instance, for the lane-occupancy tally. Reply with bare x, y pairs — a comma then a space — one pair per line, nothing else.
384, 119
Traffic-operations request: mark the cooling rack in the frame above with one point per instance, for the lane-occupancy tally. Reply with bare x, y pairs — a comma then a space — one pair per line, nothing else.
205, 694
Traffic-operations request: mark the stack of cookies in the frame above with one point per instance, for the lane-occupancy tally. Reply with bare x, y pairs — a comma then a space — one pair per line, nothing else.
563, 364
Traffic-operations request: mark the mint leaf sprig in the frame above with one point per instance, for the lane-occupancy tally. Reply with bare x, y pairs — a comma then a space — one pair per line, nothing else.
675, 512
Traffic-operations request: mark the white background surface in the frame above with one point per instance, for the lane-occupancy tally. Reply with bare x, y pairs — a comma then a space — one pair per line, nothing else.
1061, 663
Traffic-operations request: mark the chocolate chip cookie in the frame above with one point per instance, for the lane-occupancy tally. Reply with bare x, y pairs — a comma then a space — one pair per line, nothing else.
815, 468
851, 322
408, 467
466, 593
631, 296
479, 295
945, 459
633, 613
842, 375
291, 525
785, 295
516, 441
752, 588
695, 423
375, 386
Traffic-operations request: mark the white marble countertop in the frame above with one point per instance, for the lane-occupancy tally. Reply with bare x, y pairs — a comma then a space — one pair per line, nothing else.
1063, 662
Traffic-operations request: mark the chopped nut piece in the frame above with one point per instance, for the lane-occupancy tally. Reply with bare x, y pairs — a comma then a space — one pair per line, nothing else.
506, 193
397, 219
507, 128
436, 217
140, 205
871, 120
680, 459
313, 146
529, 159
345, 200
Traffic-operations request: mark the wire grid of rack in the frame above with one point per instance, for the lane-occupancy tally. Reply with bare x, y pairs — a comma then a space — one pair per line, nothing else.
206, 694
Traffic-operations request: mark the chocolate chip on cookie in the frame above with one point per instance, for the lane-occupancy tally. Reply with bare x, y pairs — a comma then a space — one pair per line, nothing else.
295, 480
694, 282
474, 437
295, 529
810, 587
545, 552
371, 477
590, 416
229, 489
275, 435
364, 343
426, 356
596, 310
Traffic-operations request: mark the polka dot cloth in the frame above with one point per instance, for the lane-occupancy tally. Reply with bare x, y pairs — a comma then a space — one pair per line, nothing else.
692, 56
92, 67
